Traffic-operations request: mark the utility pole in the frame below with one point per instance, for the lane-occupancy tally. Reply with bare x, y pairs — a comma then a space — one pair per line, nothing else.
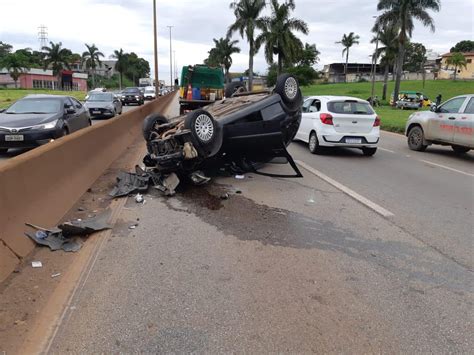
155, 35
174, 64
171, 59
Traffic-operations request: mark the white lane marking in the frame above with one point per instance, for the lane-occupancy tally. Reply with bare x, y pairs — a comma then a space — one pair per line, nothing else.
447, 168
372, 205
387, 150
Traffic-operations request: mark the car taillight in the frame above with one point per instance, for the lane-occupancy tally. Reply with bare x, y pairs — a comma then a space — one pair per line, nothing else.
326, 118
377, 121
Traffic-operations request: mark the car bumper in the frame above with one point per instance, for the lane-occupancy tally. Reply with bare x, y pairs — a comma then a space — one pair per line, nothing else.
30, 138
131, 101
334, 139
103, 113
150, 97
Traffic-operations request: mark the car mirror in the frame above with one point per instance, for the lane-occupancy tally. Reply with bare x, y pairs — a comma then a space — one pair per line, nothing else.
70, 110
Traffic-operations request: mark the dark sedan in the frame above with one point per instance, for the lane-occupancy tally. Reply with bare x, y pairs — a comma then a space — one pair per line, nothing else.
38, 119
132, 96
103, 104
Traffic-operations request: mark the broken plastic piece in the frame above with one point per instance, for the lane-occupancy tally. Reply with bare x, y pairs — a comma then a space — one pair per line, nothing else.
139, 198
170, 183
56, 275
36, 264
198, 178
240, 177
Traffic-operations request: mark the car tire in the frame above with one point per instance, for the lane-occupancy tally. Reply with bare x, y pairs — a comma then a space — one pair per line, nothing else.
288, 88
313, 144
416, 139
232, 88
149, 123
460, 150
368, 152
202, 125
3, 150
65, 132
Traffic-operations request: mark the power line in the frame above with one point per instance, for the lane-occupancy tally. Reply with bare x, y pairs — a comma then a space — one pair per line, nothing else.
42, 36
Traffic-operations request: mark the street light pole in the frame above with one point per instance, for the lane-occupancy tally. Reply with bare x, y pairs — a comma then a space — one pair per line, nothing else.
171, 59
155, 35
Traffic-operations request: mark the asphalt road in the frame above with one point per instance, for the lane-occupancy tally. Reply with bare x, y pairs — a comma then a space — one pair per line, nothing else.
15, 152
290, 265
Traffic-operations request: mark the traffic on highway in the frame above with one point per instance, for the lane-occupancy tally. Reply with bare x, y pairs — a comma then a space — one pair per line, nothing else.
182, 182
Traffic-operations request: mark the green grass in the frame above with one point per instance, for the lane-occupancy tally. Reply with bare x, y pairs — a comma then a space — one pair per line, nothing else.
9, 96
393, 119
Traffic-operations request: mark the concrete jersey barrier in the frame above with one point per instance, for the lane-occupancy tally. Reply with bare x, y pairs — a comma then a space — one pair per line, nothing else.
41, 185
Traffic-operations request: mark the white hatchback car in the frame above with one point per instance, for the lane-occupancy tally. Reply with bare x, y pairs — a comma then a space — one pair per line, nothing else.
339, 121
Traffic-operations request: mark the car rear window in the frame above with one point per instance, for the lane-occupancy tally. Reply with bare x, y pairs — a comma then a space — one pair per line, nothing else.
350, 107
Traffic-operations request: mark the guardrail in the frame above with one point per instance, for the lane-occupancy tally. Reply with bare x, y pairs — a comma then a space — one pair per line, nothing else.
40, 186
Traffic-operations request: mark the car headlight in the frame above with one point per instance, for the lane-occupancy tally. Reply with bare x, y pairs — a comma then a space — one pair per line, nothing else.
48, 125
137, 97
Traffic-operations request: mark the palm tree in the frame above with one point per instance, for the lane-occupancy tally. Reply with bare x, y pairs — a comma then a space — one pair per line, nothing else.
57, 59
247, 13
16, 64
278, 36
121, 63
458, 60
91, 58
348, 41
387, 36
224, 48
401, 14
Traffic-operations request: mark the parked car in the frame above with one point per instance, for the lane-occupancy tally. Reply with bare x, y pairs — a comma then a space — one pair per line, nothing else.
411, 100
452, 123
132, 95
247, 127
150, 93
103, 104
38, 119
339, 121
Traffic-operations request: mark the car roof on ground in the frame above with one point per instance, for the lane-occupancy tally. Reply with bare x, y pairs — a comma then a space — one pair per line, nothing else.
333, 97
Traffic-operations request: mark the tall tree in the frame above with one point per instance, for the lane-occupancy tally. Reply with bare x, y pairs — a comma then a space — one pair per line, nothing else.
309, 56
463, 46
16, 64
247, 16
347, 42
221, 54
401, 14
121, 64
56, 58
277, 34
458, 60
387, 37
91, 59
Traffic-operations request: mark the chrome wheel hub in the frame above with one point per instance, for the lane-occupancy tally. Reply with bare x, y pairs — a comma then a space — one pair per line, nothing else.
204, 128
291, 88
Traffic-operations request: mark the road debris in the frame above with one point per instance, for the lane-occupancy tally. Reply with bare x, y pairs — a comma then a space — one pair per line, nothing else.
55, 275
133, 226
139, 198
225, 196
36, 264
240, 177
60, 237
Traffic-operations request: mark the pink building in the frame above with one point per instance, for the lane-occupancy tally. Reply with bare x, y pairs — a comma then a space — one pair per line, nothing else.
44, 79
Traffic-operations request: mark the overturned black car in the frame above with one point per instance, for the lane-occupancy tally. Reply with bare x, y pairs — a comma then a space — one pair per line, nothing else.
245, 129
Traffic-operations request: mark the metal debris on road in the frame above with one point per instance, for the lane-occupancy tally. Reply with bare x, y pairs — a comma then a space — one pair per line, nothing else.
36, 264
60, 237
139, 198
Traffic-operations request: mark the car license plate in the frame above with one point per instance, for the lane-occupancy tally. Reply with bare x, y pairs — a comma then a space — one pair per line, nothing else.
96, 112
14, 138
353, 140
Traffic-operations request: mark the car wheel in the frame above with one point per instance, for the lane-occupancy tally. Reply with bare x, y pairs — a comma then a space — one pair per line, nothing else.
287, 87
460, 150
3, 150
368, 152
313, 144
90, 122
150, 122
65, 132
202, 125
416, 138
232, 88
115, 113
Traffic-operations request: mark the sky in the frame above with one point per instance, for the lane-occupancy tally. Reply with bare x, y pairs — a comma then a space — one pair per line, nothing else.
128, 24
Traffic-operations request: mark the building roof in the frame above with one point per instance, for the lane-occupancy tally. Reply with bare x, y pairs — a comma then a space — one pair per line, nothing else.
466, 54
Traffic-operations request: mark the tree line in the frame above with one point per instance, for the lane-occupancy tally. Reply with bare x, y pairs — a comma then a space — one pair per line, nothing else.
58, 58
